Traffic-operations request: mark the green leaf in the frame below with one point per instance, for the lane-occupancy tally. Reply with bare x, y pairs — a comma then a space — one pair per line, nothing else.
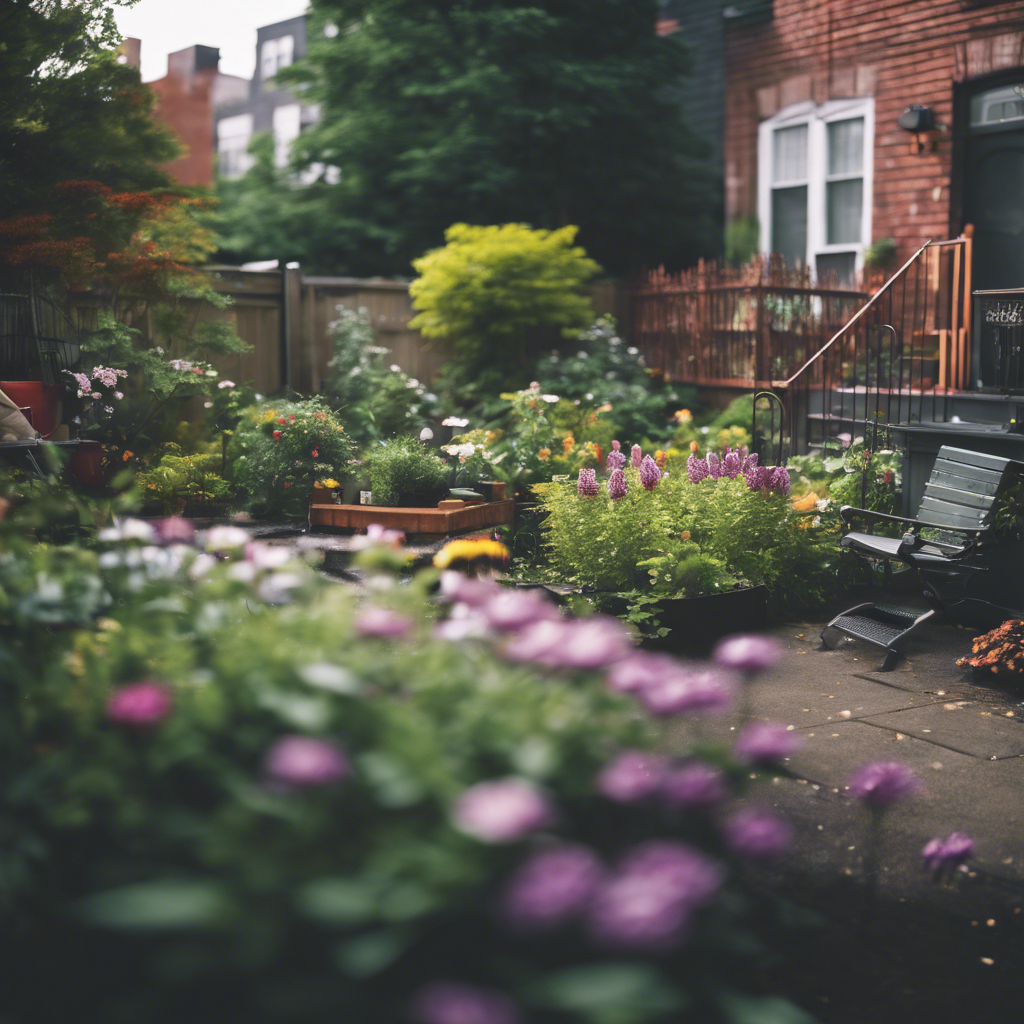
763, 1010
369, 954
158, 905
611, 993
338, 901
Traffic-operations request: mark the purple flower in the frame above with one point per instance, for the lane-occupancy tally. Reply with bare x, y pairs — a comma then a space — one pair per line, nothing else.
615, 460
536, 642
587, 486
731, 465
649, 901
140, 705
306, 761
944, 856
714, 466
502, 811
632, 776
687, 691
636, 456
616, 445
747, 653
882, 783
466, 590
174, 530
757, 834
694, 786
639, 670
551, 887
591, 643
649, 473
757, 477
696, 469
749, 464
374, 621
766, 743
779, 480
452, 1003
617, 485
509, 610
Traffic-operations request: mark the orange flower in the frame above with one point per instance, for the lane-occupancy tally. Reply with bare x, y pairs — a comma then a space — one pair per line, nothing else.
127, 455
694, 447
685, 535
660, 458
567, 443
544, 454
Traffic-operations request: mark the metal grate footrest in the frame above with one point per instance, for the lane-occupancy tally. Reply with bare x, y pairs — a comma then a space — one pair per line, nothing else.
865, 628
884, 625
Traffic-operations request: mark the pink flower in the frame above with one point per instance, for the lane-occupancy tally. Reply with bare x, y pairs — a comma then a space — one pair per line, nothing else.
466, 590
551, 887
694, 786
276, 435
766, 743
687, 691
175, 530
587, 486
616, 460
616, 446
779, 480
714, 466
632, 776
616, 484
639, 670
943, 856
649, 473
374, 621
306, 761
452, 1003
636, 456
882, 783
747, 653
696, 469
757, 834
140, 705
509, 610
732, 464
502, 811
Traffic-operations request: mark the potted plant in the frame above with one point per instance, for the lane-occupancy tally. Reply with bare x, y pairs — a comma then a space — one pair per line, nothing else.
405, 473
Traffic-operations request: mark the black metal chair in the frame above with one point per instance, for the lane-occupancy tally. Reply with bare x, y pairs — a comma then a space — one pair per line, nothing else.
966, 555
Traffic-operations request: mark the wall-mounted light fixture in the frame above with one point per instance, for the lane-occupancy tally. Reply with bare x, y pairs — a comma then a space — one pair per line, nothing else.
920, 120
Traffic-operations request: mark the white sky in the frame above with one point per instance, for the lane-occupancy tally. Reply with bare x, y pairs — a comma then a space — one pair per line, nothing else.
165, 26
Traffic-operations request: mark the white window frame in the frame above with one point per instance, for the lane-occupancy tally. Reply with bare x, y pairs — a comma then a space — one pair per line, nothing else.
817, 119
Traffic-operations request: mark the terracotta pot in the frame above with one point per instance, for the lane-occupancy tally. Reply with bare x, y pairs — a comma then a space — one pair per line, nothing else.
86, 466
42, 401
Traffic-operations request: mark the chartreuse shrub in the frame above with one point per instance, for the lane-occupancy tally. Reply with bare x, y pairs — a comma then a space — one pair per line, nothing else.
235, 790
280, 449
404, 471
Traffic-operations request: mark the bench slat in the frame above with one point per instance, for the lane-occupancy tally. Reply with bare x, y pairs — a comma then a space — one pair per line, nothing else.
955, 515
957, 470
957, 496
969, 458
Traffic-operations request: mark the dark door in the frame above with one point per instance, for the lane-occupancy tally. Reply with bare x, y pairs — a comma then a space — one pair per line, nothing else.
994, 185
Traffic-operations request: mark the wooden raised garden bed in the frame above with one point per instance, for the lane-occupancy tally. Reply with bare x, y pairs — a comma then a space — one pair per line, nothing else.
436, 521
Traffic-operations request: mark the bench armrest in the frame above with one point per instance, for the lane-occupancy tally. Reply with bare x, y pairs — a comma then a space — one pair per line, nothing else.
850, 513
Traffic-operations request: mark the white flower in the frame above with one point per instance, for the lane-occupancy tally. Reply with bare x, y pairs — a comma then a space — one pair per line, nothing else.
395, 368
454, 421
258, 397
267, 556
242, 572
226, 538
119, 395
127, 529
207, 405
426, 434
201, 566
211, 373
550, 399
632, 350
226, 384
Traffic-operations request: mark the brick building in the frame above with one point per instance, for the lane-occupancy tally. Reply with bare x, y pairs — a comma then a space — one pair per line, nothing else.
813, 150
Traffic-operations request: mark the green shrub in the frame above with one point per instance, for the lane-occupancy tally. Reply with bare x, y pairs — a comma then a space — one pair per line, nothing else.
404, 471
182, 479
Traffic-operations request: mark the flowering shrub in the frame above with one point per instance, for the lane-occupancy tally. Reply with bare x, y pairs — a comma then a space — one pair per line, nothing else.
102, 385
281, 449
404, 471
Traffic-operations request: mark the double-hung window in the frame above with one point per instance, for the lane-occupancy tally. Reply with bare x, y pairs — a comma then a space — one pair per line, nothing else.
814, 189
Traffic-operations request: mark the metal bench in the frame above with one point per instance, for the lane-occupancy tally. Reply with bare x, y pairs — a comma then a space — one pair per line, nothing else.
964, 556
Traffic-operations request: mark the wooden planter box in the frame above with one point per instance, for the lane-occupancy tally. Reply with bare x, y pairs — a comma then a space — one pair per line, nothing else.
435, 521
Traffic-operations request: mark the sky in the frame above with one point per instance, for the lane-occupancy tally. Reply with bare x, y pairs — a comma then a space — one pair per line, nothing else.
165, 26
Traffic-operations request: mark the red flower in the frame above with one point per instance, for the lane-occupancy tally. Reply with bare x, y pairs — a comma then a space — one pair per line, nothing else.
315, 453
282, 420
277, 434
287, 484
292, 418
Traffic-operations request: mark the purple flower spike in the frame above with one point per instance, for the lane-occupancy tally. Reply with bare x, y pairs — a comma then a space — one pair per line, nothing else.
714, 466
780, 481
551, 887
502, 811
749, 464
616, 446
687, 691
731, 465
649, 473
140, 705
617, 485
744, 653
757, 478
640, 670
616, 460
587, 486
695, 786
757, 834
943, 856
510, 610
374, 621
636, 456
766, 743
696, 469
301, 761
451, 1003
882, 783
632, 776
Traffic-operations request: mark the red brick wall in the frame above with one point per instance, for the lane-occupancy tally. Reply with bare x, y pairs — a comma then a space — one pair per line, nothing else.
899, 51
184, 104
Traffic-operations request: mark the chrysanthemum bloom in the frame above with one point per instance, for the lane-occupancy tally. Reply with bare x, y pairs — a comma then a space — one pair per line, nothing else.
587, 486
779, 481
578, 644
536, 642
766, 743
632, 776
544, 454
639, 670
650, 475
687, 691
882, 783
502, 811
694, 786
731, 465
551, 887
616, 484
306, 761
466, 590
636, 456
943, 856
451, 1003
714, 466
756, 834
616, 460
509, 610
140, 705
743, 653
696, 469
374, 621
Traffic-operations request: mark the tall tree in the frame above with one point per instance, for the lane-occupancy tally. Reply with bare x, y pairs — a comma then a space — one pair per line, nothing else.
550, 112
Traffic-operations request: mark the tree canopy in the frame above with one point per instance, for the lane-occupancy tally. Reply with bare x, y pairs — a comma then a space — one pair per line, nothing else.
433, 112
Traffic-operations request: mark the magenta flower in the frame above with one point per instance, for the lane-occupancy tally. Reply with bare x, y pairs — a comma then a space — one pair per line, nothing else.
749, 464
766, 743
452, 1003
757, 478
649, 473
140, 705
882, 783
687, 691
467, 590
696, 469
551, 887
695, 786
591, 643
374, 621
944, 856
502, 811
174, 530
617, 485
301, 761
731, 465
747, 653
509, 610
714, 466
779, 480
636, 456
616, 446
587, 485
632, 776
615, 460
639, 670
756, 834
536, 642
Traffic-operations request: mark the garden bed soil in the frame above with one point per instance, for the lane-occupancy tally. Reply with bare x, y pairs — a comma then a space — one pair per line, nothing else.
413, 521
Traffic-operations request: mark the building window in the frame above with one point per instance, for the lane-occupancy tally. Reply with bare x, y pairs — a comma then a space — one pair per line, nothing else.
287, 126
233, 137
997, 106
276, 54
815, 186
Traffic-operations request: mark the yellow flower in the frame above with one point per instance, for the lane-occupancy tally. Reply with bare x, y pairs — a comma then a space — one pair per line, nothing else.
328, 484
470, 549
683, 416
544, 454
567, 443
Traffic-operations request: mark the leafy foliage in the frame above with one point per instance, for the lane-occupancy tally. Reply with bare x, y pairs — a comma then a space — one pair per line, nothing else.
404, 471
179, 480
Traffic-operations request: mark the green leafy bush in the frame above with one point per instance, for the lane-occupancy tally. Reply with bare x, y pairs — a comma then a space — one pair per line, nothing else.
404, 471
282, 448
180, 480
